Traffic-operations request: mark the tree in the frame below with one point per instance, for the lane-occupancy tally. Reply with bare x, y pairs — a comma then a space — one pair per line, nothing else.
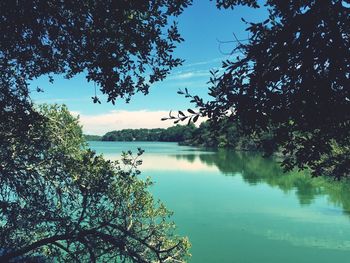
123, 46
291, 79
57, 198
60, 200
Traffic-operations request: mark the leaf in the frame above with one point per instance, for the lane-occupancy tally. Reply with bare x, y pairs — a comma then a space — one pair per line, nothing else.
180, 92
191, 111
181, 113
189, 121
195, 118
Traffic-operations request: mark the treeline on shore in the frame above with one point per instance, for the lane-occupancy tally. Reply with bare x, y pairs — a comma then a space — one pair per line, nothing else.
226, 135
230, 135
178, 133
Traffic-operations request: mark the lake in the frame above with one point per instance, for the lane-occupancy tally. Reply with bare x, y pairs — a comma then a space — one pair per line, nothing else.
240, 207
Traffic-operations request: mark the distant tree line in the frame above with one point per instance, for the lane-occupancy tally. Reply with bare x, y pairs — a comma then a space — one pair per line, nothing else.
225, 134
176, 133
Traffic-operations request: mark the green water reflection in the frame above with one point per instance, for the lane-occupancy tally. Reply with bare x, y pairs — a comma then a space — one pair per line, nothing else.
254, 169
240, 207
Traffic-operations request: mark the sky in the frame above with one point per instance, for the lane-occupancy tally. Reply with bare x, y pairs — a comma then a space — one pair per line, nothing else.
203, 27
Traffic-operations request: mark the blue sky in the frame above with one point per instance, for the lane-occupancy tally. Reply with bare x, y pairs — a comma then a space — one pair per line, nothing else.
202, 26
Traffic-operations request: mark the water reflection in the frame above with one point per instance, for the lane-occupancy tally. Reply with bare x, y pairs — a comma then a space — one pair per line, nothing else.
232, 203
254, 169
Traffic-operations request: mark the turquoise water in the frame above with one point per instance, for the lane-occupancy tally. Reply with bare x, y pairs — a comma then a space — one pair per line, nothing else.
239, 207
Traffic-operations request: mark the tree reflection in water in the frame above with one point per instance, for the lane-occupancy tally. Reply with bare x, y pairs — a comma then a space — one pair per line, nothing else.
255, 169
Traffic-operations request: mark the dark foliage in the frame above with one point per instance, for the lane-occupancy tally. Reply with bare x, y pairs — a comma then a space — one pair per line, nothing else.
123, 46
226, 134
291, 80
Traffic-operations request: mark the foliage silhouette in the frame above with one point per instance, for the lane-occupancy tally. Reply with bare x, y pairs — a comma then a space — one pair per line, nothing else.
291, 79
116, 44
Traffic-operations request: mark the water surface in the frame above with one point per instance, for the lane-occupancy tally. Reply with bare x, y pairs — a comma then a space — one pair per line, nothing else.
240, 207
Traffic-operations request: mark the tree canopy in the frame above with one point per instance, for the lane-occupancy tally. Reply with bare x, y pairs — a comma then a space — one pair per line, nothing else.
123, 46
59, 200
291, 78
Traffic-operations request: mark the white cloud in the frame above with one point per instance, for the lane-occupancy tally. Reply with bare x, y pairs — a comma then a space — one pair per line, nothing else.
211, 61
180, 75
183, 75
121, 119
